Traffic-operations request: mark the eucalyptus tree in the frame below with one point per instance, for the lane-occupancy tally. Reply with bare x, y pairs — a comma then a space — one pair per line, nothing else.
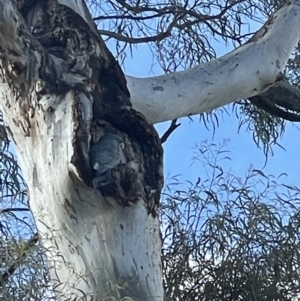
62, 91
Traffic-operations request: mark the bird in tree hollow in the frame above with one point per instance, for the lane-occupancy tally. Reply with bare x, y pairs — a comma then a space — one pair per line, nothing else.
105, 155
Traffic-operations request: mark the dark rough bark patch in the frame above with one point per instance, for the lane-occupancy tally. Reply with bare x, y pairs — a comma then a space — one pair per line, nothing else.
112, 105
25, 5
79, 212
81, 142
281, 100
77, 60
135, 178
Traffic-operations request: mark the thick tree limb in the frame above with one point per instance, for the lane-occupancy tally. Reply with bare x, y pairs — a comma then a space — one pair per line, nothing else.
281, 100
245, 72
56, 75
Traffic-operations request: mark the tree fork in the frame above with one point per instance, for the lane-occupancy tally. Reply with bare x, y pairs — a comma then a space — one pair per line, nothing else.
60, 85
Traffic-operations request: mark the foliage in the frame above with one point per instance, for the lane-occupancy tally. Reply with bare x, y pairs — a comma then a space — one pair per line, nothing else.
266, 129
22, 270
231, 238
225, 237
182, 34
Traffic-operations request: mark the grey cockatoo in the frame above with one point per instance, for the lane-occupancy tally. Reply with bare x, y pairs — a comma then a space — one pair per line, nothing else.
105, 155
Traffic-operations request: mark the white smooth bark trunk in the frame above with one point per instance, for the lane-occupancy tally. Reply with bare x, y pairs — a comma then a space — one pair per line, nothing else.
244, 72
97, 248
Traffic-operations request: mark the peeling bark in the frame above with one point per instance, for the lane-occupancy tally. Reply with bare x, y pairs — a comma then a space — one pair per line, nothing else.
59, 87
61, 90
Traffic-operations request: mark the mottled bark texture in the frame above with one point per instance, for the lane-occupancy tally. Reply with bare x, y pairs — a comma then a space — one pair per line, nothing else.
245, 72
61, 90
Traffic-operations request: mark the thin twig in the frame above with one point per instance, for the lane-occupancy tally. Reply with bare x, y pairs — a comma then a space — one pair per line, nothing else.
31, 242
13, 210
173, 126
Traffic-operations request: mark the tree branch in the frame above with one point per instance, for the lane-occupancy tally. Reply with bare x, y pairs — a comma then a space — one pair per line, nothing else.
169, 131
129, 17
3, 134
281, 100
14, 210
174, 11
132, 40
245, 72
10, 271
